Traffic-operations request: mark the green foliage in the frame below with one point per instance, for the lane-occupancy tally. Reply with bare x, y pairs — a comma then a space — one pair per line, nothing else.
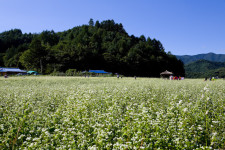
13, 38
49, 38
12, 55
35, 56
26, 60
110, 113
72, 72
1, 59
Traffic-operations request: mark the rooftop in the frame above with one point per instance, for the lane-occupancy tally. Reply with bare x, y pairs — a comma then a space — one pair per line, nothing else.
98, 71
11, 70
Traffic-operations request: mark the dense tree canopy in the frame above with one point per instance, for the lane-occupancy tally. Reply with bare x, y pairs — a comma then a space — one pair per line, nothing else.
98, 45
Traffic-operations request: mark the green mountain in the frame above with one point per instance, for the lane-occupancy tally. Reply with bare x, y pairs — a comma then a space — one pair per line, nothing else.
204, 68
98, 45
209, 56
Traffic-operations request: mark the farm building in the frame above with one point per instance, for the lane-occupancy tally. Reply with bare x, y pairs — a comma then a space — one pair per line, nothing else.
99, 71
96, 72
4, 71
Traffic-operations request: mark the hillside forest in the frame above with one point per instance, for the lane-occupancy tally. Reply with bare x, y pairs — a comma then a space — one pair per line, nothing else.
97, 45
204, 68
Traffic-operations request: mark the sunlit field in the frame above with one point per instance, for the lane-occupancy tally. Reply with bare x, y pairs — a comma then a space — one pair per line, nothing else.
111, 113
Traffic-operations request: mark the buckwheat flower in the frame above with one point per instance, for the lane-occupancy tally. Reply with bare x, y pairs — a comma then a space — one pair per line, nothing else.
116, 144
43, 130
139, 132
215, 121
28, 138
206, 89
180, 101
2, 126
199, 127
214, 133
31, 145
177, 140
202, 96
56, 130
133, 138
35, 139
185, 109
21, 136
109, 145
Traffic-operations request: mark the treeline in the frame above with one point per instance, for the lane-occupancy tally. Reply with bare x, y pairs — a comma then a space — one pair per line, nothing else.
98, 45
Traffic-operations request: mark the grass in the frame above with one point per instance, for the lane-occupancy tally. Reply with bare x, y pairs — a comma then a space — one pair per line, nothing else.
111, 113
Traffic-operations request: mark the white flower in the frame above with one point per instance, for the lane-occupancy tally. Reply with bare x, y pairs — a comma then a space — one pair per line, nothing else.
92, 147
31, 145
200, 128
215, 121
205, 88
28, 138
185, 109
214, 133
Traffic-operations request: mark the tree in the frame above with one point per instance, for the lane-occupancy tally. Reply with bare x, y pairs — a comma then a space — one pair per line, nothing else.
142, 38
91, 22
49, 38
35, 56
1, 59
97, 24
28, 60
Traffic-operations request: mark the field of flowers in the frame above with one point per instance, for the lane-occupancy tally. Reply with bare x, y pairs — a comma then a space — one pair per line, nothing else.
111, 113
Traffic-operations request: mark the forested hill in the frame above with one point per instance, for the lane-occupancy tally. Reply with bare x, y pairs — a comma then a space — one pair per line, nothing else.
209, 56
205, 68
97, 45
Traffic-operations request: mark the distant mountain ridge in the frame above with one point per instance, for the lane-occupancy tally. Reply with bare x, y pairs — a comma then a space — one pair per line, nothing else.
186, 59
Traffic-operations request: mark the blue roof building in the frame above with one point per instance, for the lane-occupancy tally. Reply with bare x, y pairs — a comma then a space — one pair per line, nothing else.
99, 71
4, 71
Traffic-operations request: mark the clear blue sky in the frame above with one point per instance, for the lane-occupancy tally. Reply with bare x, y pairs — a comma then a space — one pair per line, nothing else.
183, 26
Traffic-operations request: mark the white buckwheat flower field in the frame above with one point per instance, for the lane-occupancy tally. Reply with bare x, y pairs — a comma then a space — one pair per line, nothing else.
110, 113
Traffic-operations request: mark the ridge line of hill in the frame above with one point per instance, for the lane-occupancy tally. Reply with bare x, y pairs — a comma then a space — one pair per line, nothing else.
186, 59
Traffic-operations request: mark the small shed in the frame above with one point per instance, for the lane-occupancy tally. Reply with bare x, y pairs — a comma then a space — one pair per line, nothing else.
166, 74
32, 72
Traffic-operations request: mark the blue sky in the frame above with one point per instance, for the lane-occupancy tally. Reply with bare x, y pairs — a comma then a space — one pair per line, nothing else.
185, 27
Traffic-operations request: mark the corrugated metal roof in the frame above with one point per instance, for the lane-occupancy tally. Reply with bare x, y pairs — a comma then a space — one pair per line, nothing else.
98, 71
11, 70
